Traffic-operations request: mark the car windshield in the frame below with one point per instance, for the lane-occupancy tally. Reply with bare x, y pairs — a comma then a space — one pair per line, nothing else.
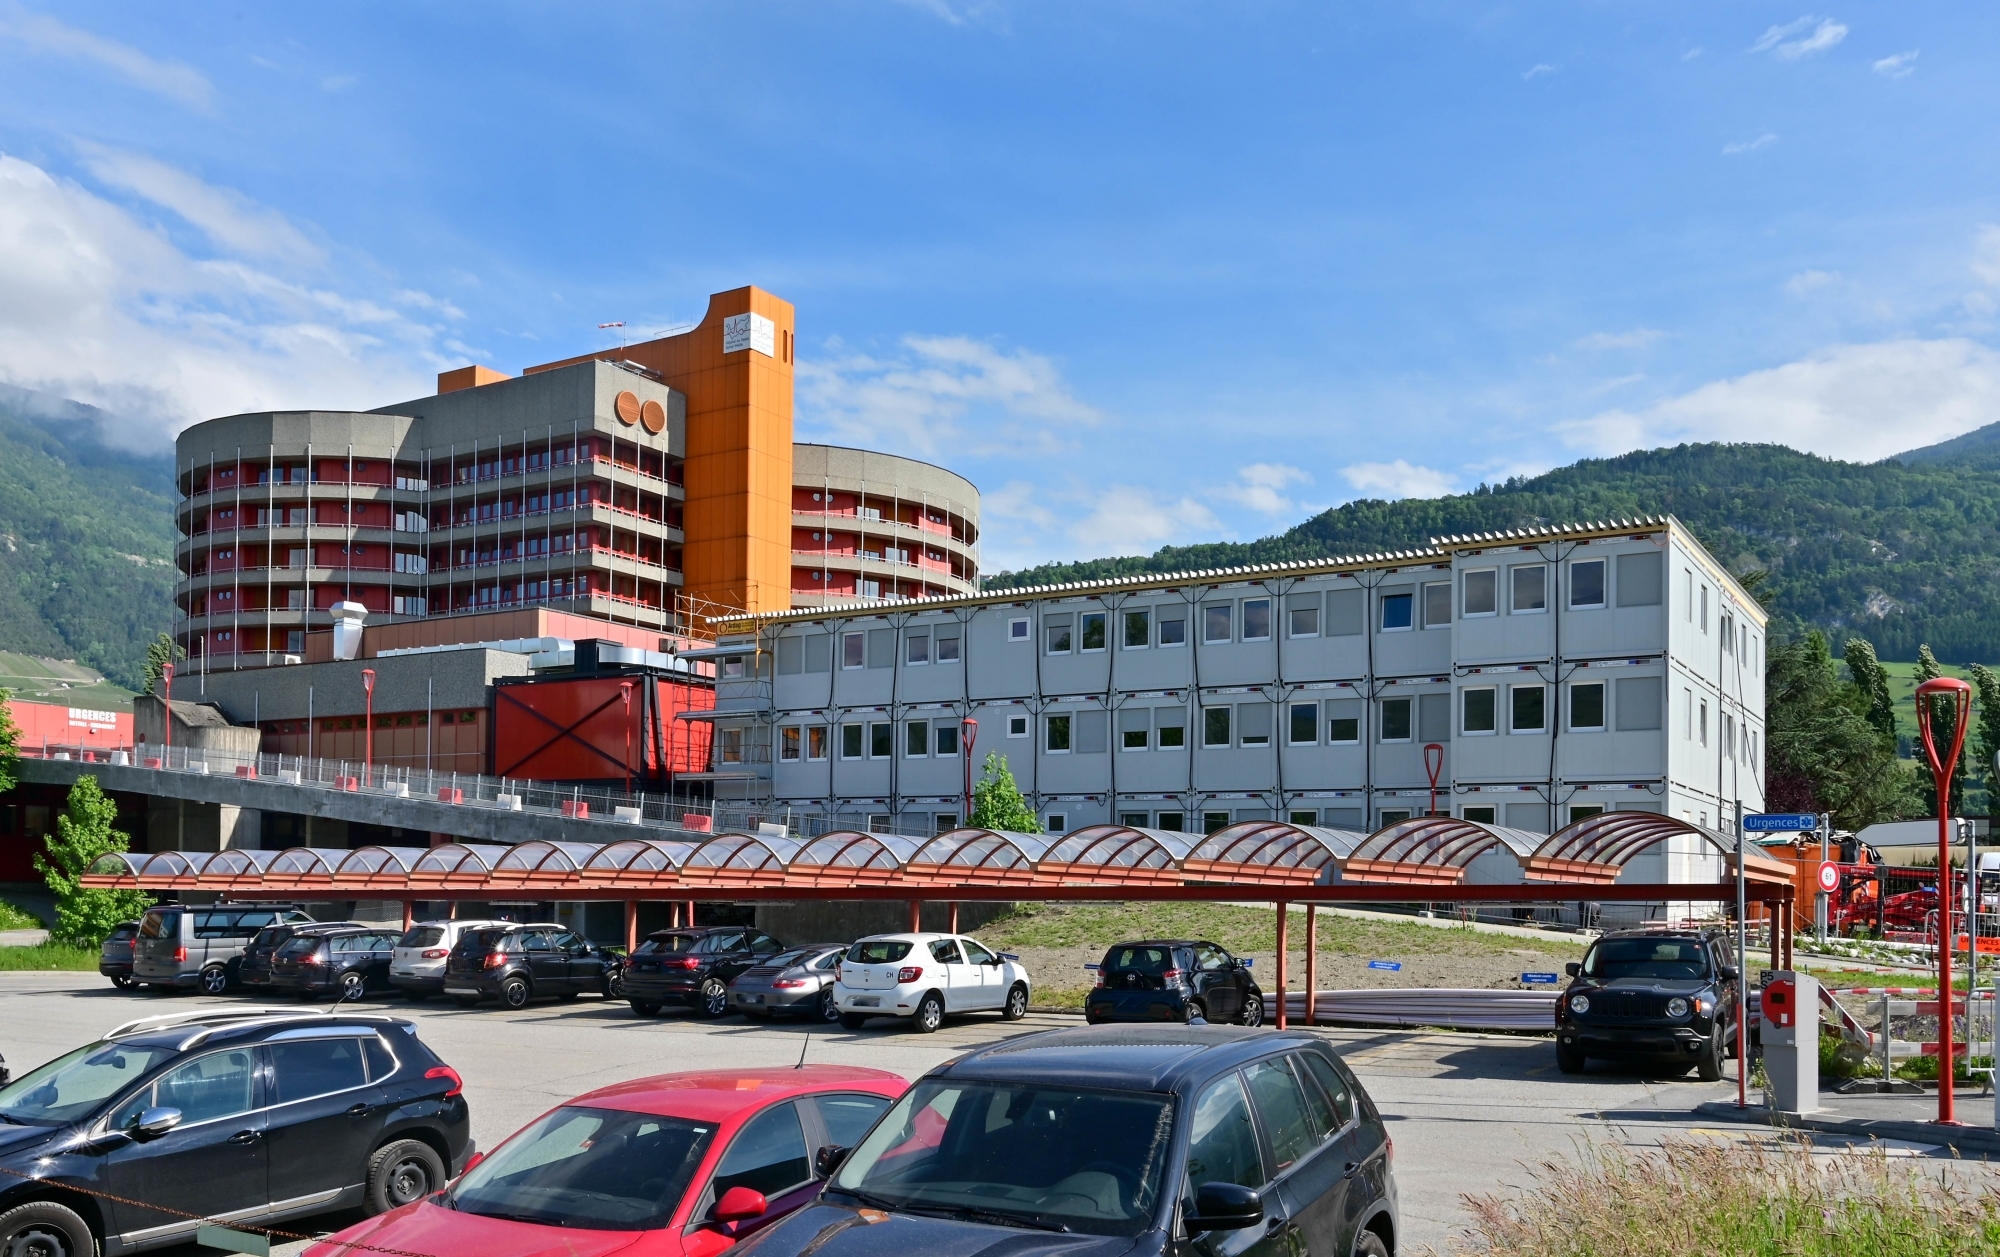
878, 951
1150, 960
1614, 958
1088, 1161
658, 943
594, 1169
70, 1087
422, 936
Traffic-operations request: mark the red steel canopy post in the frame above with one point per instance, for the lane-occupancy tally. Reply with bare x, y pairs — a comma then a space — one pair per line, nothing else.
1945, 700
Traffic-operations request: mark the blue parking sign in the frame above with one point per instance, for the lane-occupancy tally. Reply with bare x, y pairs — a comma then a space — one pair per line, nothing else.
1542, 979
1392, 966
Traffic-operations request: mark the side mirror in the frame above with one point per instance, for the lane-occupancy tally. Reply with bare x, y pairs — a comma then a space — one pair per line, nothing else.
1730, 973
471, 1161
828, 1159
1224, 1207
740, 1204
1572, 968
155, 1122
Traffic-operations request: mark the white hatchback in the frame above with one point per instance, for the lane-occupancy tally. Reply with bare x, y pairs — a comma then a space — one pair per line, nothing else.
416, 965
924, 977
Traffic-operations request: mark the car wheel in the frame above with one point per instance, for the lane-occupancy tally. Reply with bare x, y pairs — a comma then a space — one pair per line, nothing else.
402, 1173
1253, 1011
1708, 1061
1017, 1003
1569, 1059
124, 983
214, 980
1194, 1010
1369, 1244
826, 1009
614, 985
353, 985
713, 999
852, 1021
929, 1015
515, 992
43, 1228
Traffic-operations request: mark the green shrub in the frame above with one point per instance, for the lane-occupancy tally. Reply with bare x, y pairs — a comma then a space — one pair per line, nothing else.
84, 835
14, 918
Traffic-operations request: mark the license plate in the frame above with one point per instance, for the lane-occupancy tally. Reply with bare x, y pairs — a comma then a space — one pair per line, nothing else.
404, 973
751, 999
867, 1001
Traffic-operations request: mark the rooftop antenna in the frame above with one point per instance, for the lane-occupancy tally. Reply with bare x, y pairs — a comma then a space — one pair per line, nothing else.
621, 335
804, 1046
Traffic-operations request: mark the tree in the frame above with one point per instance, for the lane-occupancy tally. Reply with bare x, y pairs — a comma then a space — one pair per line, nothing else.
997, 801
1985, 737
1873, 681
84, 835
1823, 754
158, 652
10, 741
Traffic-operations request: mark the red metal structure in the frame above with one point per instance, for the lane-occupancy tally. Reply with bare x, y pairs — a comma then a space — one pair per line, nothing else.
589, 728
1946, 701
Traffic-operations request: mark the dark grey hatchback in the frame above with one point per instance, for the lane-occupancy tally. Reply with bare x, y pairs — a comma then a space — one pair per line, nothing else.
1148, 1141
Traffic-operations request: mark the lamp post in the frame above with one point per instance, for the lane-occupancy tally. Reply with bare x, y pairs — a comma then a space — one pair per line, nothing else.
1949, 700
625, 693
167, 675
969, 734
368, 726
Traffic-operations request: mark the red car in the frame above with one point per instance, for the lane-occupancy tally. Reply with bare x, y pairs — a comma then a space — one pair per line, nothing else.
685, 1164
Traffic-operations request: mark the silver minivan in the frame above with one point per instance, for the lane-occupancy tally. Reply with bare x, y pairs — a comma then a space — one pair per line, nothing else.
416, 966
185, 945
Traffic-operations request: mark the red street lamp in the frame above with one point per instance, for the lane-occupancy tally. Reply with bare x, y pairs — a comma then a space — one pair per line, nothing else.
625, 692
1945, 700
368, 725
970, 735
167, 674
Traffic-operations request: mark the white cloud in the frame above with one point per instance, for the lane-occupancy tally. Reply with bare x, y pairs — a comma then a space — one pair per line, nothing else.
171, 79
1123, 519
1810, 281
97, 306
1399, 479
1899, 66
1857, 402
1693, 52
1986, 253
943, 392
1537, 71
1261, 487
1043, 523
1637, 338
1779, 42
1749, 146
231, 221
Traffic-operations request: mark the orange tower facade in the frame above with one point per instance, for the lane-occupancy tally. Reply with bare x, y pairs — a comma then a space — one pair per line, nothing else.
735, 367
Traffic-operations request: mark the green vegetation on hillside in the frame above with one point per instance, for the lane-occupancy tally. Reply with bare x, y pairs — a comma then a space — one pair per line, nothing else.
1901, 554
1245, 930
61, 682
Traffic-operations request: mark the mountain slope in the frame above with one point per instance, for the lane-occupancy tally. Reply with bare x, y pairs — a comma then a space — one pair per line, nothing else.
86, 538
1900, 552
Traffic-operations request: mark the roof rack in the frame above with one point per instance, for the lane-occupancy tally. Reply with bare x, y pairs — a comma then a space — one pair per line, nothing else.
205, 1016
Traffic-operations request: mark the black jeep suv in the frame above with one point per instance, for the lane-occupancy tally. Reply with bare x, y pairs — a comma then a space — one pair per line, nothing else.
1659, 993
1173, 980
248, 1114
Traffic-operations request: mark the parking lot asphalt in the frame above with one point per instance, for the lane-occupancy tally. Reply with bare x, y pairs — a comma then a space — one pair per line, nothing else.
1468, 1112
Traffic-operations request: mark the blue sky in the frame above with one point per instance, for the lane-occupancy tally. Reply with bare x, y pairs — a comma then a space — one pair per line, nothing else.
1146, 272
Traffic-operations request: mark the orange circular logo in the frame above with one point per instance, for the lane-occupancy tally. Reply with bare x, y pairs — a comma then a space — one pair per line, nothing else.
654, 416
627, 406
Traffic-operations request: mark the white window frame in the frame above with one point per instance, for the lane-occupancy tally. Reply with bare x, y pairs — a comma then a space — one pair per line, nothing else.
1465, 603
1603, 708
1124, 628
797, 741
1017, 726
825, 740
925, 740
868, 732
1205, 608
1424, 603
1082, 649
1292, 724
1513, 589
1603, 585
1382, 721
1540, 730
861, 740
1463, 729
1049, 729
1243, 618
1159, 628
1020, 629
910, 641
1382, 613
852, 637
1056, 823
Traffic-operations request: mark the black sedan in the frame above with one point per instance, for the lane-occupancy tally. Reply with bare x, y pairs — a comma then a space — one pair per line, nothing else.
351, 961
795, 983
1139, 1141
126, 1143
114, 958
693, 967
516, 963
1173, 980
254, 970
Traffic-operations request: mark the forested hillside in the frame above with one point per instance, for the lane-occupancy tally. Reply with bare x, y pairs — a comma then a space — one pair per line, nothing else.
1903, 552
86, 538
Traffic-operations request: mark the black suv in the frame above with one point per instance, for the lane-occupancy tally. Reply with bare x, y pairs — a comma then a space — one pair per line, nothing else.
251, 1114
1173, 980
693, 967
254, 970
515, 963
351, 961
1153, 1141
1657, 993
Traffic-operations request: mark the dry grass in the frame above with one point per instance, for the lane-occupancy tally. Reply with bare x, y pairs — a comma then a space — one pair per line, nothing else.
1750, 1197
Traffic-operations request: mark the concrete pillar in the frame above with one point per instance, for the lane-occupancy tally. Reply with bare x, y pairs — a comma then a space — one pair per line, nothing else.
674, 917
916, 917
690, 920
408, 913
1282, 959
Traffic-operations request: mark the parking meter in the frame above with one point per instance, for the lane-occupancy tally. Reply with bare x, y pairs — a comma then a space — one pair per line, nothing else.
1790, 1036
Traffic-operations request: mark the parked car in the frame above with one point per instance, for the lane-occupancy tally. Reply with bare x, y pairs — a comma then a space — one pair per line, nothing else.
924, 977
180, 946
1152, 1141
1173, 980
693, 967
795, 983
114, 957
351, 962
254, 969
516, 963
249, 1114
682, 1165
416, 966
1664, 994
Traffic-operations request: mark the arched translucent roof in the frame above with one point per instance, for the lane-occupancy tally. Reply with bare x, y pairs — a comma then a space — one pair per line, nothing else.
121, 864
457, 862
1597, 848
980, 855
658, 860
543, 862
741, 859
850, 857
1115, 852
1432, 849
239, 863
1271, 851
295, 864
386, 863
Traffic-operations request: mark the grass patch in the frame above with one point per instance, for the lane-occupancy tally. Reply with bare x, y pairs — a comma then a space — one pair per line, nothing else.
1244, 930
1749, 1198
46, 956
13, 918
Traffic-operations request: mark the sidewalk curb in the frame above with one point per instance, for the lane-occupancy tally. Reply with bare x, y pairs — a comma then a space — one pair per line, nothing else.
1965, 1139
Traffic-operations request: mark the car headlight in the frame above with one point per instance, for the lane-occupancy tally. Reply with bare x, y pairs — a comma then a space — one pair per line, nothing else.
1579, 1003
1677, 1007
